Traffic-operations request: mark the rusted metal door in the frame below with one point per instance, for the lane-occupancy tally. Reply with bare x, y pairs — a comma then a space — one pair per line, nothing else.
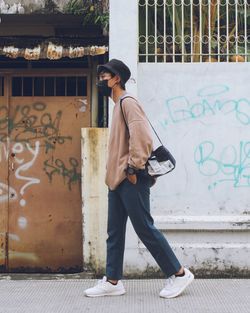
46, 113
4, 189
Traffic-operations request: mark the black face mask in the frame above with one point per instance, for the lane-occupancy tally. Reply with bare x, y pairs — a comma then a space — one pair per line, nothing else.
103, 88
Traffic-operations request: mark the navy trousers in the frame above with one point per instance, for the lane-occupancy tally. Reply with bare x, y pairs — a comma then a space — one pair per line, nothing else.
133, 201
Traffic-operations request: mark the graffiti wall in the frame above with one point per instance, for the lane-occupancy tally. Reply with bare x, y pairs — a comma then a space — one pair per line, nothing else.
40, 183
202, 114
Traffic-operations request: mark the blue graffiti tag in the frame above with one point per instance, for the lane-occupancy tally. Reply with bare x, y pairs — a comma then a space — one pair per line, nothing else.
213, 100
232, 164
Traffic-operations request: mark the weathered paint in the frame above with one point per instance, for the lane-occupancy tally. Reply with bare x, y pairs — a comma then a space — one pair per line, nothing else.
94, 191
42, 147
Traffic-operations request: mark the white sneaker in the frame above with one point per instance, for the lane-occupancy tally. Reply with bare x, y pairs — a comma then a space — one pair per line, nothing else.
105, 288
175, 285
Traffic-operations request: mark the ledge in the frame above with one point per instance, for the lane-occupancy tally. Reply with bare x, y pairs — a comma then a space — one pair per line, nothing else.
203, 222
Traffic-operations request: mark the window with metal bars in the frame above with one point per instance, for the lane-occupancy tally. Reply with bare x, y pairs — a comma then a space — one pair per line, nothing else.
194, 31
49, 86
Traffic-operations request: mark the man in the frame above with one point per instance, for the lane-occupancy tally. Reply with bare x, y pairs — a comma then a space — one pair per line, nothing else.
130, 145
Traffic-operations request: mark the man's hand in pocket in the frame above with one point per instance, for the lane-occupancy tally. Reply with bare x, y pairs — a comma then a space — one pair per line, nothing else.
131, 174
132, 178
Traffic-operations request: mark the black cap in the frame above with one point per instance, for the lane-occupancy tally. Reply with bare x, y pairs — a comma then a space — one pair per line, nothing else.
116, 67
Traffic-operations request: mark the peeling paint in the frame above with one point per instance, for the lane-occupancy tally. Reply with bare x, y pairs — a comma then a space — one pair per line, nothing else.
94, 149
247, 224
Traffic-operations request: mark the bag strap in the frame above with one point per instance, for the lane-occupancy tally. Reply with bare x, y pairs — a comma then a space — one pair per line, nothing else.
146, 118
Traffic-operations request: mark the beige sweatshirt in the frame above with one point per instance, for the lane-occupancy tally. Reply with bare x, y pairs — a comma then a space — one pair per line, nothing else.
123, 149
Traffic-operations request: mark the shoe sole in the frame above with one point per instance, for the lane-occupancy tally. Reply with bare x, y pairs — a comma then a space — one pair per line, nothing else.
120, 293
180, 291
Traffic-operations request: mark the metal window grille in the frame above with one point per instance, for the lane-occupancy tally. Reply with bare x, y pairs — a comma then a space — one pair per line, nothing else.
49, 86
194, 31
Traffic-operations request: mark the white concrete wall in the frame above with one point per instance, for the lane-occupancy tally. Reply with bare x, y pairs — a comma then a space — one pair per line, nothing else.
123, 37
94, 197
202, 112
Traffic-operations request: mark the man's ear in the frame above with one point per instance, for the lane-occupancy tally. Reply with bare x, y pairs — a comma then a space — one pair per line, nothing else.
118, 79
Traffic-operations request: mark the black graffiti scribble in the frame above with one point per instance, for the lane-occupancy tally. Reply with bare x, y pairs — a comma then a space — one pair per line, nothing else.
70, 175
32, 122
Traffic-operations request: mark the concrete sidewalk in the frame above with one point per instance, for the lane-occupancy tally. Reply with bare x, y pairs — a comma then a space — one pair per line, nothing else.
66, 295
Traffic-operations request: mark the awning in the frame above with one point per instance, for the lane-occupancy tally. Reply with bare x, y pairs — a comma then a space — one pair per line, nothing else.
51, 51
